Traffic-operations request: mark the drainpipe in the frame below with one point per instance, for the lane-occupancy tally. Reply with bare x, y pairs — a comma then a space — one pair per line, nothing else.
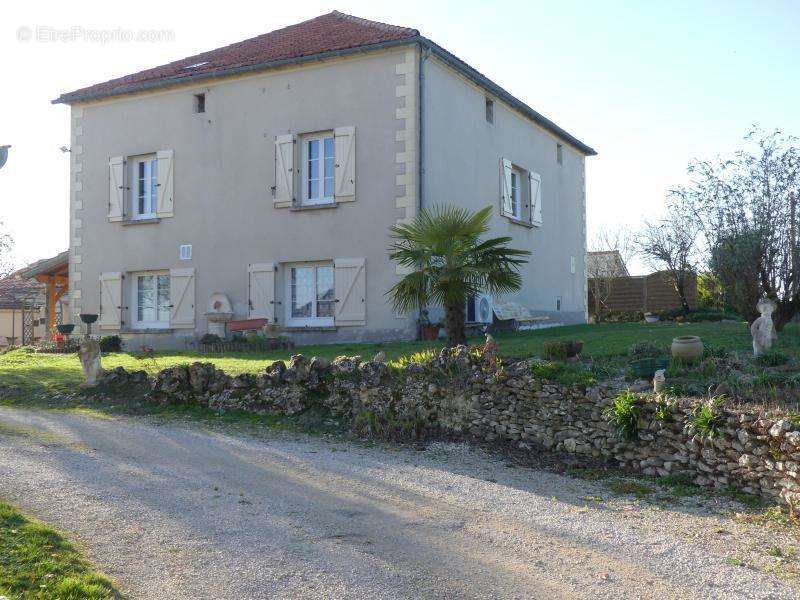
424, 52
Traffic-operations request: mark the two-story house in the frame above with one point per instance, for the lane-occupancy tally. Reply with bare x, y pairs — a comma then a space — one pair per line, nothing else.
271, 170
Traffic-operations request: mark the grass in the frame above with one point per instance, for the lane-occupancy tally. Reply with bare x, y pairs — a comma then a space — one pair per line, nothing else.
38, 562
61, 372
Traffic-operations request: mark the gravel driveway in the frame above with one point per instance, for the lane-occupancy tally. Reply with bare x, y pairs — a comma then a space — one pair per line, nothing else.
175, 511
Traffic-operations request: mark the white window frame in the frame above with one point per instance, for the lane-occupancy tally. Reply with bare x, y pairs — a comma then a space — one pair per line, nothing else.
135, 323
304, 171
313, 321
151, 198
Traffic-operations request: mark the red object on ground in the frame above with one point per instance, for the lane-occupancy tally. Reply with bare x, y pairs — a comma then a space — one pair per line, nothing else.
247, 324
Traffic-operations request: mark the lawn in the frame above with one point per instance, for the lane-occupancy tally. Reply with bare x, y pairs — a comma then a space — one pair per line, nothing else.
38, 562
37, 373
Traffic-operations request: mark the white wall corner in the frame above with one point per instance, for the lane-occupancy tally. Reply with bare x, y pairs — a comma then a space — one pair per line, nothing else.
407, 135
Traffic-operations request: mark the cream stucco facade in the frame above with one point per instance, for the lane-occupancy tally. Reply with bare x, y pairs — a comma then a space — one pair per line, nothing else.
229, 179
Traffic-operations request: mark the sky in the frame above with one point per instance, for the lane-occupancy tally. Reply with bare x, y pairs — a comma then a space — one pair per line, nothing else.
649, 85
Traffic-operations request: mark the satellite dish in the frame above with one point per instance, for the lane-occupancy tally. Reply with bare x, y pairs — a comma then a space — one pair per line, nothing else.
3, 155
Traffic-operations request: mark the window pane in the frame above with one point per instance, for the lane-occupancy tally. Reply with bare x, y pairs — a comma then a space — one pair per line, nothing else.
313, 169
302, 292
145, 299
328, 171
163, 298
141, 188
325, 292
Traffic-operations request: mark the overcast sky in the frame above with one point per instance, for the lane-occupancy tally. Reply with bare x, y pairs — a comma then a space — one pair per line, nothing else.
649, 85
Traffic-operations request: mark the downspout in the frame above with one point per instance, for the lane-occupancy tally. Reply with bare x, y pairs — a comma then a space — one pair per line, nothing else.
424, 52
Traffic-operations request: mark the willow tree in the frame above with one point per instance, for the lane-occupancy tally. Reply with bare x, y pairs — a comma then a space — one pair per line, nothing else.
448, 261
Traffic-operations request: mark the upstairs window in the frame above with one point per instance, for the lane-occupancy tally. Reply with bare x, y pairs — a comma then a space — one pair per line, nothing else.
516, 194
559, 154
489, 110
144, 188
318, 169
199, 103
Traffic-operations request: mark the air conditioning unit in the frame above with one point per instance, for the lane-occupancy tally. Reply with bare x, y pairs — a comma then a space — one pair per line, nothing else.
479, 309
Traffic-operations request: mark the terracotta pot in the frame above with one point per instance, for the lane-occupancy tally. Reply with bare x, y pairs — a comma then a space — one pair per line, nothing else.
687, 347
430, 332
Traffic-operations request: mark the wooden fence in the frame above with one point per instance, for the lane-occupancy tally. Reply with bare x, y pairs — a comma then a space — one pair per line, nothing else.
647, 293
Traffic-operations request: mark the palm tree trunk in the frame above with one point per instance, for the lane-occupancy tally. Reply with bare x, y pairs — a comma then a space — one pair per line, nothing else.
454, 323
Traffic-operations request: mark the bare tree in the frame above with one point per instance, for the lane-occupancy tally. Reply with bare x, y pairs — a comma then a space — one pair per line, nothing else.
609, 252
747, 208
670, 245
6, 245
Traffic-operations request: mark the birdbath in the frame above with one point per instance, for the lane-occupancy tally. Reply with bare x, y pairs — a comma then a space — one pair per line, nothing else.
88, 319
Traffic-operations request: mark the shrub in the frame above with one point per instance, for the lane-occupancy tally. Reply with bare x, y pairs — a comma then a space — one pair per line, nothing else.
564, 374
210, 338
561, 350
772, 358
707, 419
623, 414
110, 343
646, 350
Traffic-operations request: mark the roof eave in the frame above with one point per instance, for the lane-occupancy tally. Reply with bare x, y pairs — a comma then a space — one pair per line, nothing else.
76, 97
46, 266
450, 59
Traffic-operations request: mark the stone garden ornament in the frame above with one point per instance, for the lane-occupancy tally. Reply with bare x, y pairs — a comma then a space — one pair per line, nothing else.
763, 329
89, 353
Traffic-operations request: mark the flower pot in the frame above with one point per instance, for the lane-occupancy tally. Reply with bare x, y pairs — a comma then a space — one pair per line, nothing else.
687, 347
651, 318
66, 328
430, 332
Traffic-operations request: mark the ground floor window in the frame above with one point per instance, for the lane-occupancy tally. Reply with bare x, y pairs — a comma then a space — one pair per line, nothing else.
310, 291
150, 300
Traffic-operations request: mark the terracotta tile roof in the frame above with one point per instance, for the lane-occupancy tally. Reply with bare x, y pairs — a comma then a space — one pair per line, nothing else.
16, 290
327, 33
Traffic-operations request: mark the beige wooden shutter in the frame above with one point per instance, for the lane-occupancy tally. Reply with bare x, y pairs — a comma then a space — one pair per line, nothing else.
262, 291
110, 300
284, 171
116, 188
344, 144
165, 205
350, 285
536, 197
506, 207
181, 297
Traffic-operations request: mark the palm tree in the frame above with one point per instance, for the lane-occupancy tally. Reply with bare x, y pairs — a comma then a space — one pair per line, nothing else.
449, 263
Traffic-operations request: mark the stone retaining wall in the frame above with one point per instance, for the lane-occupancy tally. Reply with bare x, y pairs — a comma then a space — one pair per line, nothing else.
471, 393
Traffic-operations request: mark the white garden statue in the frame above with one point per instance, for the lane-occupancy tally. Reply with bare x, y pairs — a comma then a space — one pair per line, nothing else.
89, 353
763, 329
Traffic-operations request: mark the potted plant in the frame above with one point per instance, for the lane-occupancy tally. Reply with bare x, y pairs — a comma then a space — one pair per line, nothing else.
429, 331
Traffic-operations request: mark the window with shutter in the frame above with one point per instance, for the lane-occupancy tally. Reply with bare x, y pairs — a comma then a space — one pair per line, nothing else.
506, 170
116, 188
536, 197
345, 152
181, 298
261, 299
283, 193
166, 166
350, 291
110, 300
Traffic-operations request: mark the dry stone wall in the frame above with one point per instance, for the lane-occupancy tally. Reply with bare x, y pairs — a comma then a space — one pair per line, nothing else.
471, 393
